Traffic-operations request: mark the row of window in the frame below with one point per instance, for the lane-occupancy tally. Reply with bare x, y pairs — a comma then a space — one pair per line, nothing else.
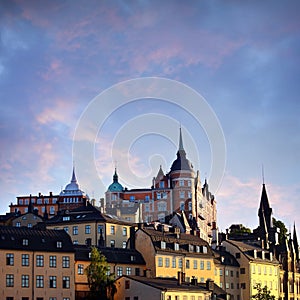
39, 260
191, 248
52, 283
38, 201
174, 263
87, 229
258, 269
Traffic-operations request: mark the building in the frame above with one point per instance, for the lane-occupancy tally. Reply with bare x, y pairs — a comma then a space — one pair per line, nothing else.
178, 190
121, 262
36, 264
86, 225
144, 288
227, 271
257, 266
168, 252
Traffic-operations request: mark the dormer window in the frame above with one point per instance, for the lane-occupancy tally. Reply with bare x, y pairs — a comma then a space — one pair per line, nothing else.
59, 244
25, 242
67, 218
271, 256
254, 253
163, 245
191, 248
197, 249
204, 249
176, 246
263, 254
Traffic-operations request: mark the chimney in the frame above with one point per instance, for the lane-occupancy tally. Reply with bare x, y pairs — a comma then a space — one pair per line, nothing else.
210, 285
179, 278
132, 238
194, 281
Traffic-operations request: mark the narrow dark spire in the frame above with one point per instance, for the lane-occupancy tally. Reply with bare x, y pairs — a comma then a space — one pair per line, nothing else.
115, 177
180, 148
265, 211
295, 241
73, 175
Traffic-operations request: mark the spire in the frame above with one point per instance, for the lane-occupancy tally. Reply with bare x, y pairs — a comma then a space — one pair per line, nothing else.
73, 176
180, 148
295, 241
115, 177
265, 211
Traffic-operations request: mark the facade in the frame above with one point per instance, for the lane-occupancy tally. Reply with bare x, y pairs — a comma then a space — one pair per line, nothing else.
121, 262
36, 264
143, 288
178, 190
166, 253
86, 225
257, 266
227, 272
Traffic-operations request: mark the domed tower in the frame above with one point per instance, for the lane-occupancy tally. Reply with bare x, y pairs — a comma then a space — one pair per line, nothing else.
182, 181
72, 196
114, 192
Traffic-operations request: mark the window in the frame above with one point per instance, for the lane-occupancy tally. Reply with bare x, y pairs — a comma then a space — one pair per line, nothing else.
195, 264
208, 265
100, 229
25, 281
124, 230
119, 271
160, 262
66, 282
66, 262
167, 262
176, 246
174, 262
243, 286
181, 205
87, 229
181, 182
124, 244
158, 196
190, 205
221, 272
163, 245
9, 280
52, 282
227, 285
128, 271
137, 271
181, 194
18, 224
112, 229
66, 218
40, 260
66, 229
147, 198
9, 259
75, 230
201, 264
162, 206
180, 263
226, 272
25, 298
52, 261
112, 243
52, 210
39, 281
25, 259
161, 184
242, 271
80, 269
238, 255
187, 263
25, 242
132, 198
58, 244
127, 284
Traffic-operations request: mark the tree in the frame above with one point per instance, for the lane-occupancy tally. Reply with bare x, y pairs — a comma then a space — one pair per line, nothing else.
283, 230
102, 286
263, 293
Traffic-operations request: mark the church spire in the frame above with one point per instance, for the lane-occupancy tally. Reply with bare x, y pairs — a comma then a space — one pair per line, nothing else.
74, 179
180, 148
295, 241
265, 211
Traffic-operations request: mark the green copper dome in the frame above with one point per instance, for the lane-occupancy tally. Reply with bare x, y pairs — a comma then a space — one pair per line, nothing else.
115, 186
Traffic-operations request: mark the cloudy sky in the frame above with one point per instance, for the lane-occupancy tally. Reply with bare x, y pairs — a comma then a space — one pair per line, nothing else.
242, 57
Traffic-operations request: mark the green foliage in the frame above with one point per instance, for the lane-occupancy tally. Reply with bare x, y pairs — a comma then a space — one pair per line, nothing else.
262, 293
101, 284
239, 229
283, 230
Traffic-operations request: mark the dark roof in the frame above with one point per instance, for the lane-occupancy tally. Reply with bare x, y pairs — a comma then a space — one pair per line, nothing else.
84, 213
184, 241
225, 258
113, 255
167, 283
38, 240
124, 210
181, 162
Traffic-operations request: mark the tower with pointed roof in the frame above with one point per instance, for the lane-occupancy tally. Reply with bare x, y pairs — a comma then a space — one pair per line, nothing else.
179, 190
72, 196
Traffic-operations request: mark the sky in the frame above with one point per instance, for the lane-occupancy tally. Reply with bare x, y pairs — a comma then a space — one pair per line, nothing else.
73, 72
